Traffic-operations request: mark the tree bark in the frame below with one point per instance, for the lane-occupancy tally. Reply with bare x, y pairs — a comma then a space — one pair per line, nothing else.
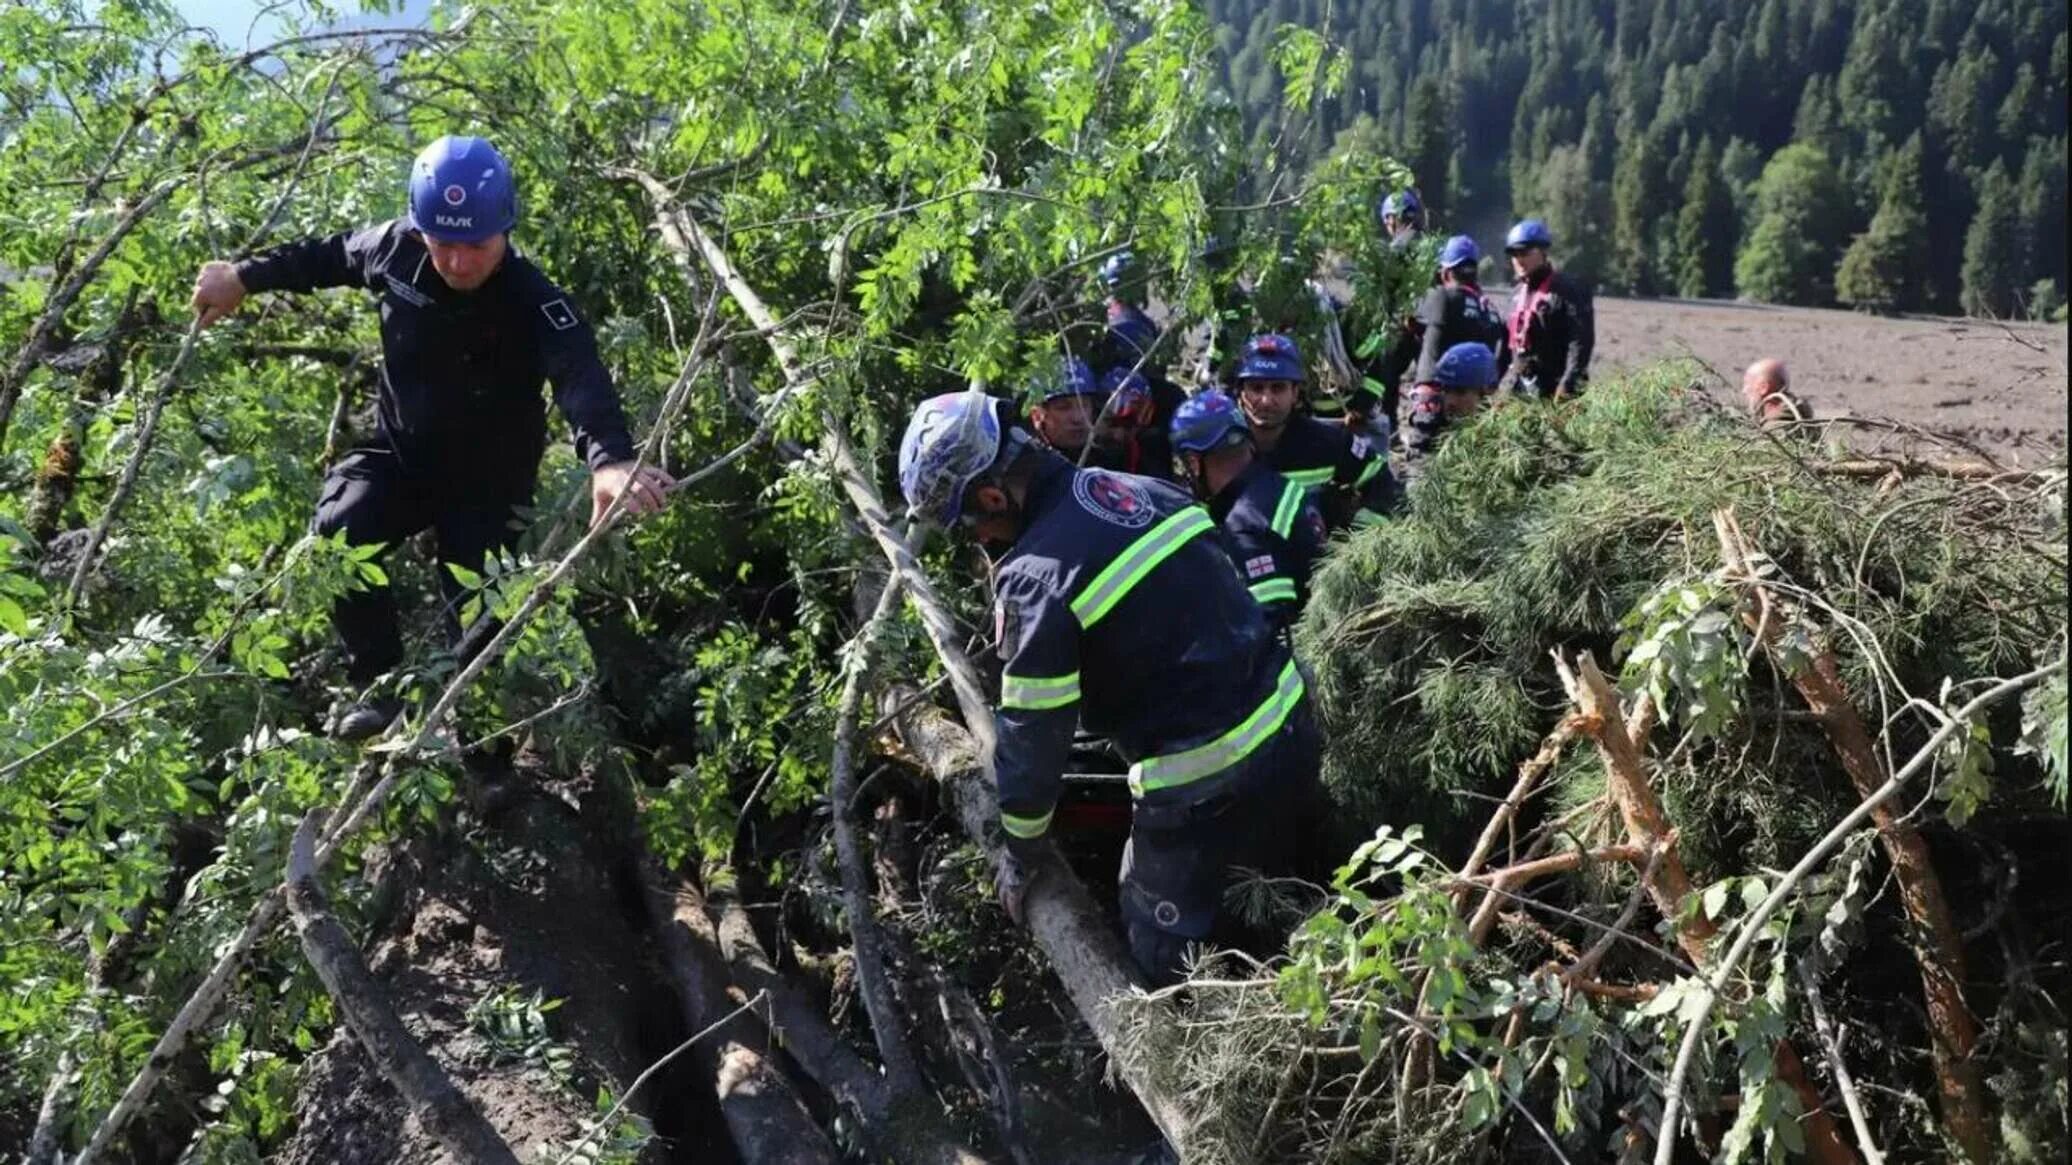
1648, 827
439, 1106
904, 1128
873, 961
1938, 942
763, 1115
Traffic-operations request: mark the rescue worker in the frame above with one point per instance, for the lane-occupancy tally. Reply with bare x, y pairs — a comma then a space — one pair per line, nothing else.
1553, 326
1117, 609
470, 329
1346, 472
1064, 406
1130, 434
1402, 218
1131, 330
1270, 527
1131, 340
1454, 311
1457, 387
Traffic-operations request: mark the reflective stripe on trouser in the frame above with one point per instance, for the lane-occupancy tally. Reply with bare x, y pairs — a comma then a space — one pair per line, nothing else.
1182, 768
1284, 512
1129, 568
1274, 590
1038, 692
1025, 827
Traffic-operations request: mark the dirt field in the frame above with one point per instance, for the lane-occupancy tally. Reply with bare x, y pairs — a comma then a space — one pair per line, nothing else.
2003, 387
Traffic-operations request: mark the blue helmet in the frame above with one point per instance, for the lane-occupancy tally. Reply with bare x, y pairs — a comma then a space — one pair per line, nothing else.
1131, 329
1401, 204
1528, 234
1270, 357
461, 191
1116, 268
1467, 365
1126, 392
1459, 251
952, 439
1071, 378
1208, 421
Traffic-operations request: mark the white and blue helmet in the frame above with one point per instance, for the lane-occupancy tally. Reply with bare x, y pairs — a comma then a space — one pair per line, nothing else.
952, 439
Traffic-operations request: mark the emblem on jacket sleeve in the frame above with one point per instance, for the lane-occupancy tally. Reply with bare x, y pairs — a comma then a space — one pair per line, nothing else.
1113, 497
559, 314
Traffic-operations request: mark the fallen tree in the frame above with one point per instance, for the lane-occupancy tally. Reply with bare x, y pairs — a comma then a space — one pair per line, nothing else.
1630, 954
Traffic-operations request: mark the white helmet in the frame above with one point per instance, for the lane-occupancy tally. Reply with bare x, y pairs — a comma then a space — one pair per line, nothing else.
952, 439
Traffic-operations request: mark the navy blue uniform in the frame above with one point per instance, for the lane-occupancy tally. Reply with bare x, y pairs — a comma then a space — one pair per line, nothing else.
462, 422
1274, 534
1346, 474
1118, 609
1446, 316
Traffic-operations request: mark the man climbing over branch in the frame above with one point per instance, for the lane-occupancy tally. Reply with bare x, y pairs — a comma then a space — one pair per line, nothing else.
470, 329
1117, 608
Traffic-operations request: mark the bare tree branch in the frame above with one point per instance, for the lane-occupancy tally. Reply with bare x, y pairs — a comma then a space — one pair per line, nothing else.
439, 1106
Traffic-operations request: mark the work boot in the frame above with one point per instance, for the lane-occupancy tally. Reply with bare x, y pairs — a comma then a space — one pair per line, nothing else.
367, 719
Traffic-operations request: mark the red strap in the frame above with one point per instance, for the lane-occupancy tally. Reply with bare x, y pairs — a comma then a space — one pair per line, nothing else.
1523, 310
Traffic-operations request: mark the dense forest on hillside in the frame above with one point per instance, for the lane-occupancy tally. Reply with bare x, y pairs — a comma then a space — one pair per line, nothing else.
1888, 154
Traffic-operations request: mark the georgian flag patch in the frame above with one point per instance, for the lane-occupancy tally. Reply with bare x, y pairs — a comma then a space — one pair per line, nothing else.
559, 314
1259, 567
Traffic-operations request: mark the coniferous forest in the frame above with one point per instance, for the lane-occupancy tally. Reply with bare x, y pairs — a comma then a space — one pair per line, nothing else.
1885, 154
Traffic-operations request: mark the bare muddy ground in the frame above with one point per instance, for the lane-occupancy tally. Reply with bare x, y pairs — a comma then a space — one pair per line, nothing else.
2002, 386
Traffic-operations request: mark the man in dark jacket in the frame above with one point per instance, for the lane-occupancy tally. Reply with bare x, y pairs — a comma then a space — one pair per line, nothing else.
1402, 219
1453, 312
1347, 473
1117, 609
1273, 532
1553, 326
470, 330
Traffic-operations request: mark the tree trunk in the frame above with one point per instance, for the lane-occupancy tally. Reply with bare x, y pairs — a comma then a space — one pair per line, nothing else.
763, 1115
439, 1106
1079, 944
1938, 943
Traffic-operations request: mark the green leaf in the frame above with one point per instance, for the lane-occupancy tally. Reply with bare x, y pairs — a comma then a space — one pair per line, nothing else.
1370, 1037
1716, 899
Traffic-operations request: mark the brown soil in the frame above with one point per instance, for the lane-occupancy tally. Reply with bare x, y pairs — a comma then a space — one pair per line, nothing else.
526, 902
2002, 386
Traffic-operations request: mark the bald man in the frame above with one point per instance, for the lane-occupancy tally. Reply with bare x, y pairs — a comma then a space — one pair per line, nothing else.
1766, 386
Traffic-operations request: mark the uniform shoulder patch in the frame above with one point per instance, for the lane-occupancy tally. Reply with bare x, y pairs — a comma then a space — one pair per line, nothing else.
559, 314
1362, 447
1259, 566
1113, 497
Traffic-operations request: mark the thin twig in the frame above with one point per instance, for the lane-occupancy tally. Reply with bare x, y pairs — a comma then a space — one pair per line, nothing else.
1752, 927
602, 1123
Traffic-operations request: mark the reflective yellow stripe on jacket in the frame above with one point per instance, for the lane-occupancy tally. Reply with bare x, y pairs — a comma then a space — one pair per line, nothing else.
1206, 760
